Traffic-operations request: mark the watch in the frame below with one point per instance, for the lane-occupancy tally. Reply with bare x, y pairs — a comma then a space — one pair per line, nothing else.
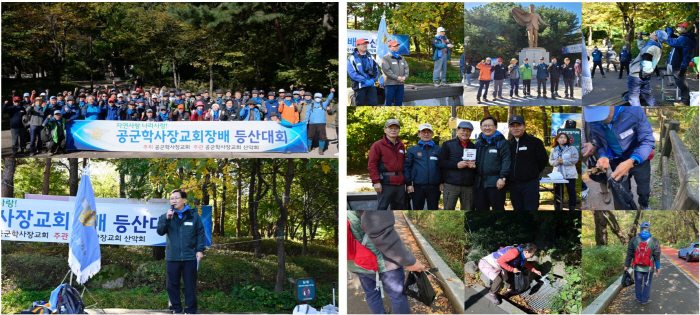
634, 162
504, 179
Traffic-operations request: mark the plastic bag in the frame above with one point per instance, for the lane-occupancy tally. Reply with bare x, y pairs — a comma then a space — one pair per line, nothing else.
627, 279
624, 199
418, 286
521, 281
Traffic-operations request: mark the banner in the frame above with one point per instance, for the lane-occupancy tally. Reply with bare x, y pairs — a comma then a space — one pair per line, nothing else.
571, 49
190, 136
117, 224
371, 36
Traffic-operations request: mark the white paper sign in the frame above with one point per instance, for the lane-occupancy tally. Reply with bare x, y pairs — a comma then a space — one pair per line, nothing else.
469, 155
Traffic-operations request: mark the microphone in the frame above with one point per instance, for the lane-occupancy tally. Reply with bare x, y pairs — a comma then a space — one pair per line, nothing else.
643, 33
170, 216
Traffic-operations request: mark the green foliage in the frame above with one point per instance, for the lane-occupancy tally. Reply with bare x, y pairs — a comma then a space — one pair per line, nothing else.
29, 85
568, 301
444, 231
31, 271
601, 265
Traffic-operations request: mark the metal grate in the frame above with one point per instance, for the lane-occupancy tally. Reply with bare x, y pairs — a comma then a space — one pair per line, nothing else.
540, 293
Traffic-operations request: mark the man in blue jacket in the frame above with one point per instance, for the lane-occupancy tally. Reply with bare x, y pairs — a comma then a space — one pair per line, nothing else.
597, 61
625, 143
184, 249
542, 77
363, 72
681, 54
316, 117
71, 111
625, 58
442, 49
423, 180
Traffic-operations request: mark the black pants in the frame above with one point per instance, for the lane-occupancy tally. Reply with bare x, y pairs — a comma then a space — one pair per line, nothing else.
554, 86
319, 129
392, 195
624, 65
19, 141
571, 189
526, 87
569, 87
642, 176
337, 136
188, 271
543, 84
483, 84
55, 146
598, 64
682, 84
369, 92
421, 193
490, 198
525, 195
497, 283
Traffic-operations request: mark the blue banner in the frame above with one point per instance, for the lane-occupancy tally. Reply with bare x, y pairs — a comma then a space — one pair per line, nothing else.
186, 136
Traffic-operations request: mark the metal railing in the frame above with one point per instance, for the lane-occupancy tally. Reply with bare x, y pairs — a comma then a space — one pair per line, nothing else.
686, 198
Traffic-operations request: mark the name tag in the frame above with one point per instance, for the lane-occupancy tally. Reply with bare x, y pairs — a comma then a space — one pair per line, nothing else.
493, 151
434, 158
522, 148
188, 223
401, 151
394, 63
626, 134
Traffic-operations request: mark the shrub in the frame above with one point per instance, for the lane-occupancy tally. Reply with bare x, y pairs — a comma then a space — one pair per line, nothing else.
323, 270
601, 265
34, 271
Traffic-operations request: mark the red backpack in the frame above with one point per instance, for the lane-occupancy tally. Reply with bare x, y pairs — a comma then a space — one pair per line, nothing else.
642, 254
362, 256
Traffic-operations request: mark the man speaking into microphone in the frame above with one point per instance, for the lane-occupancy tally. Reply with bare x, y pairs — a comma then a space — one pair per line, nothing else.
183, 250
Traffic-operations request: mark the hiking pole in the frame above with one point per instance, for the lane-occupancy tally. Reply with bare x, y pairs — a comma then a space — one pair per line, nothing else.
334, 283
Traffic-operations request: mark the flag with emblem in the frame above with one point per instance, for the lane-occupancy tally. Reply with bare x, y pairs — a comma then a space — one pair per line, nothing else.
84, 248
382, 44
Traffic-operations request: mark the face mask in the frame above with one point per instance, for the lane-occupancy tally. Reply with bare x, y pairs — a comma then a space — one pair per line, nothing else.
318, 99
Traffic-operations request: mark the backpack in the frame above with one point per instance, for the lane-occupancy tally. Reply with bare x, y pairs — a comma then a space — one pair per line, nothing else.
643, 252
359, 253
41, 307
513, 263
69, 301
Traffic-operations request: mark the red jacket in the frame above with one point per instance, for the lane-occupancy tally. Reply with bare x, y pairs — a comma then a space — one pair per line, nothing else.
510, 255
385, 157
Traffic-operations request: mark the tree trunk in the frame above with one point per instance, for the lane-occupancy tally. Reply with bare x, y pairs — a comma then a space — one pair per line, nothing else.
222, 217
628, 19
73, 179
590, 36
252, 206
239, 181
303, 236
122, 185
8, 178
601, 233
280, 36
215, 212
211, 79
282, 221
47, 176
487, 113
416, 42
175, 74
614, 226
633, 229
544, 124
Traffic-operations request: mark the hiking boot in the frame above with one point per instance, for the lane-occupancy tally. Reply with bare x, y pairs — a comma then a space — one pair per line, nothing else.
511, 97
500, 97
545, 96
603, 76
478, 101
658, 78
320, 151
647, 302
494, 299
538, 96
310, 148
14, 154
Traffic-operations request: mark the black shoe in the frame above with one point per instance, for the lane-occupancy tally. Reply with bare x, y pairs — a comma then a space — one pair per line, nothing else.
13, 154
538, 96
485, 99
553, 98
619, 78
545, 96
603, 77
500, 97
478, 101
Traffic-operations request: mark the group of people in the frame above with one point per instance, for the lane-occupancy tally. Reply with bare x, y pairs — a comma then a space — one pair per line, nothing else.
475, 173
364, 72
497, 72
640, 69
33, 114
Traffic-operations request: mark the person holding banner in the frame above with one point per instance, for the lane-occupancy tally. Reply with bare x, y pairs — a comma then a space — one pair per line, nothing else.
457, 164
442, 49
184, 250
395, 70
363, 72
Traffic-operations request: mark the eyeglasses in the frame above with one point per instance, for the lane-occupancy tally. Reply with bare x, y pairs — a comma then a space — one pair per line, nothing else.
487, 126
176, 198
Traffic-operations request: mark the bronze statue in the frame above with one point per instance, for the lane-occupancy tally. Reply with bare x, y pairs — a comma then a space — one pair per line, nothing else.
531, 21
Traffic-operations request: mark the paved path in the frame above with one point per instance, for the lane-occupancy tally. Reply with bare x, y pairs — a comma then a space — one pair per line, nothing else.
477, 302
672, 292
690, 268
328, 154
356, 297
470, 92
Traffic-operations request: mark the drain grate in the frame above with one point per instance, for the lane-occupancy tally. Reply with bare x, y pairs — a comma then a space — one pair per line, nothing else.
541, 293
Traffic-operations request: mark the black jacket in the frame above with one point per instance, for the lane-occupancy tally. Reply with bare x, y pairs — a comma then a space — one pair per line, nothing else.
554, 71
528, 159
230, 115
567, 71
16, 114
185, 237
492, 160
499, 72
451, 154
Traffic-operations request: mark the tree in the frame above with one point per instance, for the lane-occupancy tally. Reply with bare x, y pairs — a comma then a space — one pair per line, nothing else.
47, 176
74, 180
8, 178
601, 232
283, 204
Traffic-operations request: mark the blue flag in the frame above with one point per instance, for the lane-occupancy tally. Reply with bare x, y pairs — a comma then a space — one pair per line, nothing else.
84, 249
382, 41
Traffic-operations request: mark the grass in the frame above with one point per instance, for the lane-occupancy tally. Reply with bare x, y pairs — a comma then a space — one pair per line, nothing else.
444, 231
602, 265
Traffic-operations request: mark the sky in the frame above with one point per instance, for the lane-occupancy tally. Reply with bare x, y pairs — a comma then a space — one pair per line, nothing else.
574, 7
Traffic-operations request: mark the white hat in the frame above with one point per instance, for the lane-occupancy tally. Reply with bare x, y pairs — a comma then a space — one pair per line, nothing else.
425, 126
441, 29
42, 94
120, 95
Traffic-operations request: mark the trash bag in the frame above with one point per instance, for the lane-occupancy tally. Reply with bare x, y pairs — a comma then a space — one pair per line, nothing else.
596, 174
521, 281
624, 199
418, 286
627, 279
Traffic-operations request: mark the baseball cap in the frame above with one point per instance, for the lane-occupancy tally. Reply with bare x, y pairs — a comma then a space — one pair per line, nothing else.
172, 90
441, 29
315, 95
296, 93
595, 113
42, 94
120, 95
219, 91
391, 122
392, 43
309, 94
27, 95
57, 112
465, 125
162, 107
254, 92
271, 94
425, 126
684, 24
280, 91
516, 119
180, 106
52, 98
200, 103
149, 110
645, 225
16, 99
361, 41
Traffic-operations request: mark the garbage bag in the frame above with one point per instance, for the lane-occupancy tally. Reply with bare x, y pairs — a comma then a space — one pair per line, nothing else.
418, 286
521, 281
624, 199
627, 279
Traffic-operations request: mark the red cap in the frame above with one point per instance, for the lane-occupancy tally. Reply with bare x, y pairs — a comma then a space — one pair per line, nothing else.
361, 41
111, 100
684, 24
393, 42
16, 99
139, 90
499, 59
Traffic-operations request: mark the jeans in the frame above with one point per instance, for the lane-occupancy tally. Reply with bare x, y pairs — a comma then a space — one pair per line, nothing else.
682, 84
392, 282
526, 87
393, 94
598, 64
469, 78
485, 85
18, 139
642, 285
514, 86
35, 137
636, 87
569, 87
440, 69
452, 193
543, 84
188, 271
369, 92
642, 176
526, 195
497, 88
490, 197
392, 195
421, 193
571, 189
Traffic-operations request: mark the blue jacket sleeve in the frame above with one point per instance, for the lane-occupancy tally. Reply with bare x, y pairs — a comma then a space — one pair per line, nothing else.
438, 43
408, 166
328, 100
354, 75
308, 113
683, 43
645, 135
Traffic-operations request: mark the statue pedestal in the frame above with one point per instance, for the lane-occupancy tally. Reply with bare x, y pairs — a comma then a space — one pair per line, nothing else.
533, 55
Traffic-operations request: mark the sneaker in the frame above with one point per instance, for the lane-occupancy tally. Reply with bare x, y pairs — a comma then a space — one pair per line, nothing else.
13, 154
336, 154
603, 77
443, 83
545, 96
485, 99
511, 97
494, 299
619, 77
478, 101
646, 208
647, 302
320, 151
553, 98
658, 78
584, 194
51, 153
538, 96
32, 154
500, 97
437, 85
